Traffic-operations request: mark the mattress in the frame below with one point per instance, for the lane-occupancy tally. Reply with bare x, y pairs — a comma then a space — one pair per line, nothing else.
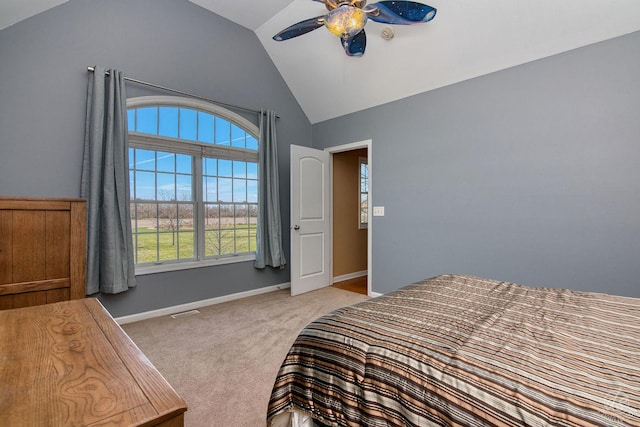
465, 351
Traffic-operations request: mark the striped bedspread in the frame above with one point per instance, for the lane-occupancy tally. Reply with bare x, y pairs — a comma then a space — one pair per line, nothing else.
464, 351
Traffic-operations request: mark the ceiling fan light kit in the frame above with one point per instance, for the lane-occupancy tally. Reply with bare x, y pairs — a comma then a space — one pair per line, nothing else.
347, 18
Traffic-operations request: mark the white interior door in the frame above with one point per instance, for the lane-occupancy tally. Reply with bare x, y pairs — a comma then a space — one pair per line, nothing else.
310, 220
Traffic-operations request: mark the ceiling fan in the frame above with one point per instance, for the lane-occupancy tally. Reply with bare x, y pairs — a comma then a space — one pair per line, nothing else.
346, 19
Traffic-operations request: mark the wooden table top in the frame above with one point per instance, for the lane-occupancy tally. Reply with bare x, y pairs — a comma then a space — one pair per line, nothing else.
70, 364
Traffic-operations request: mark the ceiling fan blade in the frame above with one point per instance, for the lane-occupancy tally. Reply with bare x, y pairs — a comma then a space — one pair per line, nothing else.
302, 27
399, 12
355, 45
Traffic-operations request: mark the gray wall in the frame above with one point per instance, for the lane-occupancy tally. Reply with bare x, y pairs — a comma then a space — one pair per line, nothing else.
174, 43
531, 174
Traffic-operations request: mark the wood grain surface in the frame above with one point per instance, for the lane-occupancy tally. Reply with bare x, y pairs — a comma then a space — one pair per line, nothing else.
42, 251
70, 364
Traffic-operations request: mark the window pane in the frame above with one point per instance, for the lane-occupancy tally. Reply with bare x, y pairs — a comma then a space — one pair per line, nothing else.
252, 143
168, 216
205, 127
146, 220
364, 193
239, 190
183, 163
223, 131
131, 120
168, 125
186, 217
145, 160
166, 186
227, 241
242, 240
166, 162
252, 191
252, 170
187, 124
212, 242
226, 215
253, 222
146, 217
170, 222
132, 213
212, 230
253, 215
147, 249
209, 167
145, 186
186, 244
242, 216
242, 228
211, 216
225, 168
131, 156
167, 245
237, 137
186, 239
147, 120
184, 186
364, 206
364, 177
210, 189
132, 188
225, 193
239, 169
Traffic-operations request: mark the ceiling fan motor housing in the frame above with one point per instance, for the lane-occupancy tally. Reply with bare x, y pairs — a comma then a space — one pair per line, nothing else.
333, 4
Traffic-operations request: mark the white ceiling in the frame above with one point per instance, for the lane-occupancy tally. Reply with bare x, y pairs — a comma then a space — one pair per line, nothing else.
466, 39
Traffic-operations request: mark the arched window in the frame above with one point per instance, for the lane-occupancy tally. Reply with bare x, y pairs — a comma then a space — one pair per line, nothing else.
193, 174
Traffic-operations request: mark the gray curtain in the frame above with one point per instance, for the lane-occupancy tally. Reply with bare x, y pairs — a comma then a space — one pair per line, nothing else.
105, 172
269, 249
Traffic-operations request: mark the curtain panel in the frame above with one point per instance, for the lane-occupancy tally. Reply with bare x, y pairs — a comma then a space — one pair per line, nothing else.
269, 251
110, 267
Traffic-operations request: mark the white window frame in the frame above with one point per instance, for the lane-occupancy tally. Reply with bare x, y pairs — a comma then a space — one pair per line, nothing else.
198, 149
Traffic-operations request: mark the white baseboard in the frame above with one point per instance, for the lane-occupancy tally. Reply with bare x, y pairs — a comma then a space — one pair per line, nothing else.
375, 294
349, 276
198, 304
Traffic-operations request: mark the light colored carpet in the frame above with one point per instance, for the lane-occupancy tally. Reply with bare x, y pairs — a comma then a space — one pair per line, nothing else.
224, 361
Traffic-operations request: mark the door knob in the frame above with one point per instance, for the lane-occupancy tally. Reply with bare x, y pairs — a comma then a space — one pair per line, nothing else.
296, 227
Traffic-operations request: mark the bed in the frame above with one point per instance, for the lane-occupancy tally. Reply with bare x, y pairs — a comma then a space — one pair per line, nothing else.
465, 351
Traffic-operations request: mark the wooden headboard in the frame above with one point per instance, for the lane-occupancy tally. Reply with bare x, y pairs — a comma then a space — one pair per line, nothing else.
42, 251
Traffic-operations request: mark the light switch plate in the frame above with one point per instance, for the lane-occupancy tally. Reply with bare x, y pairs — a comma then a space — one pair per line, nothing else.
378, 211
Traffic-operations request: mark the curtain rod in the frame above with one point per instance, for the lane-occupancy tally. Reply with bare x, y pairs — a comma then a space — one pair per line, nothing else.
93, 69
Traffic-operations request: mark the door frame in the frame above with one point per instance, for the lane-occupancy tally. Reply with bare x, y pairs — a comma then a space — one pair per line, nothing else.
367, 143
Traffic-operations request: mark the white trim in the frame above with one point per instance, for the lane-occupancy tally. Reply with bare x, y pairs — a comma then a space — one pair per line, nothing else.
141, 270
197, 304
349, 147
375, 294
349, 276
368, 144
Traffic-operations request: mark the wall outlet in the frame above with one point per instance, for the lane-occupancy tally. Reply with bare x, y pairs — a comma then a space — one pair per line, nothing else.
378, 211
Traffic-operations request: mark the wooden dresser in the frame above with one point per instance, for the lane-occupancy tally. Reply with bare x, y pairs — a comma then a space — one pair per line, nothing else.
42, 251
70, 364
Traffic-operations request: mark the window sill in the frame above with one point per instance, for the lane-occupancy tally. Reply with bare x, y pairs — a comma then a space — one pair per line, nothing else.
163, 268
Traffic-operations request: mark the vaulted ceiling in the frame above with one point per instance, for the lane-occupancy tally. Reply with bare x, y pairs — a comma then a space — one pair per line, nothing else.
467, 38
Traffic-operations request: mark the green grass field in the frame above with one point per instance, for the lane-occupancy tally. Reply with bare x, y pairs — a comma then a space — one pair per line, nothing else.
168, 246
